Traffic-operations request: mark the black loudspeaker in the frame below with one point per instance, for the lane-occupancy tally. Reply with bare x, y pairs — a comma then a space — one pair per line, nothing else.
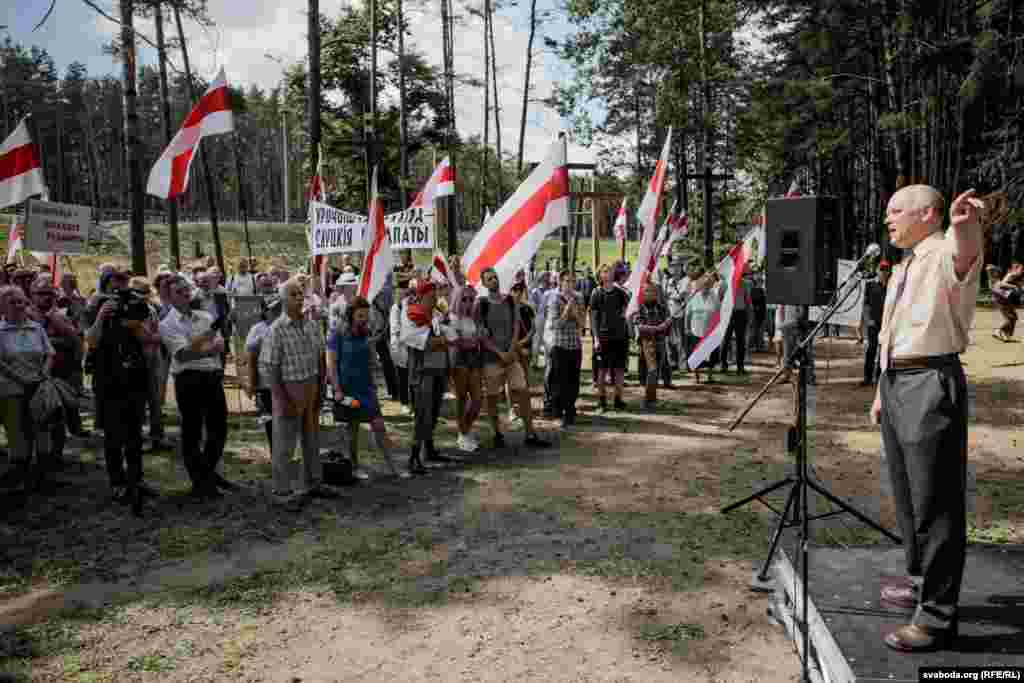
802, 246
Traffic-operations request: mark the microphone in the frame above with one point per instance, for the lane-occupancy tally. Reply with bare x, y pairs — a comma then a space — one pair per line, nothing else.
871, 252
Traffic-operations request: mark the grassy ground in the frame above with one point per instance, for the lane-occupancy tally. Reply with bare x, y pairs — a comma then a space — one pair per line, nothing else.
625, 502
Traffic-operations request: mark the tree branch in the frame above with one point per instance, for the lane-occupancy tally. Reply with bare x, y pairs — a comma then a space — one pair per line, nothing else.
53, 3
137, 32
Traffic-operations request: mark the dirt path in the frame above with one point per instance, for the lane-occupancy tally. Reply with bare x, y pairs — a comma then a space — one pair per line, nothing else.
601, 559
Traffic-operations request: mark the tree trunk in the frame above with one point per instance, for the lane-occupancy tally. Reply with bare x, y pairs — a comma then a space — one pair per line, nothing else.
403, 132
131, 135
484, 167
372, 141
706, 127
205, 167
526, 85
497, 108
165, 107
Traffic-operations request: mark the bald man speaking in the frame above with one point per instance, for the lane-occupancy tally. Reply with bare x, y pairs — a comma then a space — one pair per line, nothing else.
921, 403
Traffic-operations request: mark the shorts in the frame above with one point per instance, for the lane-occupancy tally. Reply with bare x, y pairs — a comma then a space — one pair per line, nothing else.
496, 376
613, 355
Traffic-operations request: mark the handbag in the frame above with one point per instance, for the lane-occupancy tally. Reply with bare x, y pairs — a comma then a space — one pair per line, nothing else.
47, 404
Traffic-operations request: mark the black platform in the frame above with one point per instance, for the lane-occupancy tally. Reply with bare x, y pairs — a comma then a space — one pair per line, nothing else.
848, 624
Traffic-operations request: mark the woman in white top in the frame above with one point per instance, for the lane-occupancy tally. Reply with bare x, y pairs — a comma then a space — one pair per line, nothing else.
467, 366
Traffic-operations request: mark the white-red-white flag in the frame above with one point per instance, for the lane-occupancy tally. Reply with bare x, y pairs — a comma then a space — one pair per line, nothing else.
650, 207
678, 226
514, 234
378, 261
21, 171
730, 270
650, 247
439, 271
211, 116
794, 189
15, 239
440, 184
619, 229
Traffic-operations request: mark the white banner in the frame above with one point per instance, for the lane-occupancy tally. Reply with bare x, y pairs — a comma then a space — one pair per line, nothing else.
411, 229
57, 228
335, 231
848, 314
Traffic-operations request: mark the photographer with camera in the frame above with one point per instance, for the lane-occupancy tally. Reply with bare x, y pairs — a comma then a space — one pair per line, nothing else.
117, 335
196, 345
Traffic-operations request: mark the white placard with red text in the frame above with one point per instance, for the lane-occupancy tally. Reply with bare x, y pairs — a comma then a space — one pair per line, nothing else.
57, 228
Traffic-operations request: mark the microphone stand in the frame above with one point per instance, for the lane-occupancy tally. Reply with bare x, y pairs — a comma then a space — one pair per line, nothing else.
796, 443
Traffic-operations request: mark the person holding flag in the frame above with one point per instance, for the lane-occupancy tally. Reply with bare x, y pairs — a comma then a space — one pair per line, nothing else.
497, 317
652, 323
427, 345
702, 306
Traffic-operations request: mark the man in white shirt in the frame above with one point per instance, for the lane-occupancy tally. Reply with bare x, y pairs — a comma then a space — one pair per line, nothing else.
196, 366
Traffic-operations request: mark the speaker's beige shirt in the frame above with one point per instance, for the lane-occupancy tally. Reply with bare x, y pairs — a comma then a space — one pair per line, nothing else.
933, 315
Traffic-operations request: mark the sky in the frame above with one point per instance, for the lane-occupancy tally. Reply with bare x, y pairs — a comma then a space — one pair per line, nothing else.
246, 31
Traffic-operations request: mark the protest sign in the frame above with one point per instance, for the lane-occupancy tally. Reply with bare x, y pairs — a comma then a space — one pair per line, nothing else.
411, 229
333, 231
57, 228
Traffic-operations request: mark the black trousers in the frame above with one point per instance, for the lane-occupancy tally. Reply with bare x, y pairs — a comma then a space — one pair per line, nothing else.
427, 395
388, 367
924, 430
201, 402
566, 366
871, 353
124, 413
402, 380
738, 329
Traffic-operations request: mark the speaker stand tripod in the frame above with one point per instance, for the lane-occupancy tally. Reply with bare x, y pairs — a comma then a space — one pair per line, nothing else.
795, 513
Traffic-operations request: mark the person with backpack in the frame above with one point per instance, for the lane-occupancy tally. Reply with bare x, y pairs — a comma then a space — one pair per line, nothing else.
499, 318
611, 337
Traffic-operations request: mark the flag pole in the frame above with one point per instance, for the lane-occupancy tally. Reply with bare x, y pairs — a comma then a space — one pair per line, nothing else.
625, 236
243, 205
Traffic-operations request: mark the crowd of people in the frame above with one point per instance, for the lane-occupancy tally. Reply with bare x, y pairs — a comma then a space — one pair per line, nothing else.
420, 338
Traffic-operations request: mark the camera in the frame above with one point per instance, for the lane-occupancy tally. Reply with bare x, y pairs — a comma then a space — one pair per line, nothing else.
130, 305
